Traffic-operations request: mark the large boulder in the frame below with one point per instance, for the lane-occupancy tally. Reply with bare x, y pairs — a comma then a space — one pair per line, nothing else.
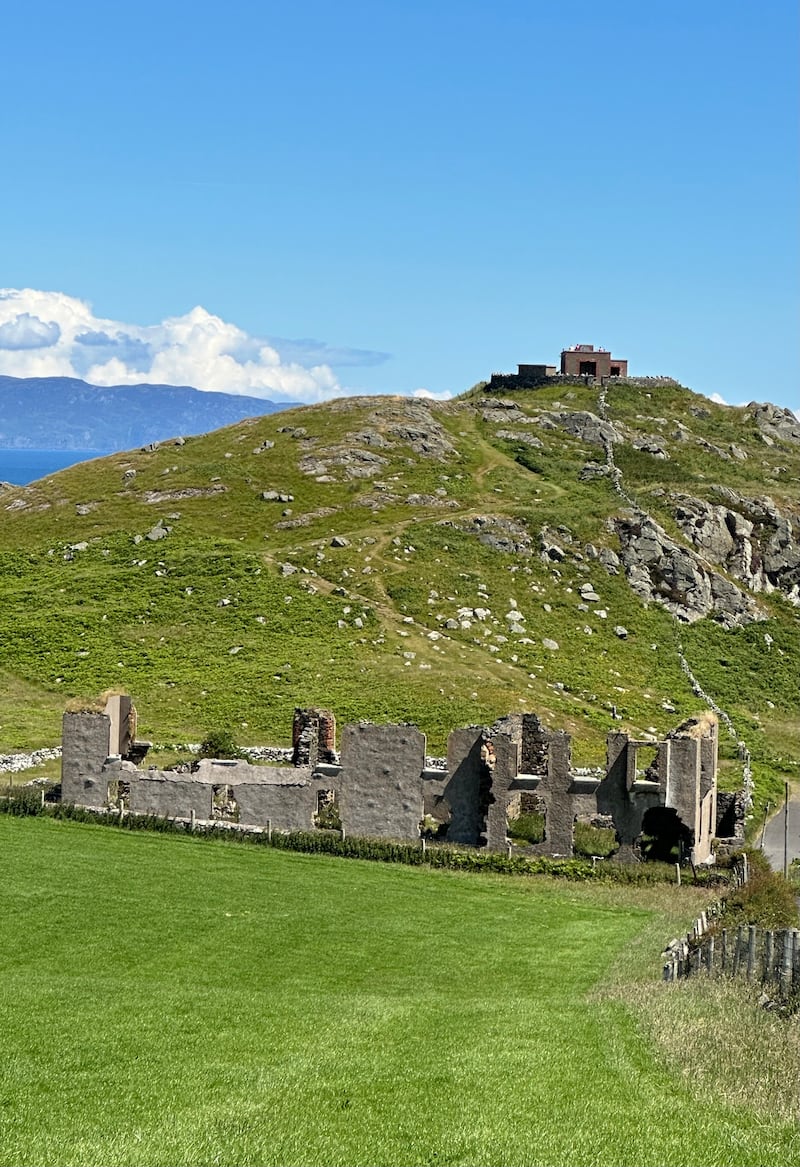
587, 427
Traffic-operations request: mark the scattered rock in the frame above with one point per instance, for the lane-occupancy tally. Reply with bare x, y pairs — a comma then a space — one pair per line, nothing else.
520, 436
610, 560
154, 496
650, 446
551, 645
592, 470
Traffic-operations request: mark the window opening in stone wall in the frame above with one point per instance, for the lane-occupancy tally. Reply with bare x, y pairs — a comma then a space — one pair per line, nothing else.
327, 817
588, 368
224, 807
526, 819
118, 789
647, 763
594, 836
614, 371
665, 837
436, 817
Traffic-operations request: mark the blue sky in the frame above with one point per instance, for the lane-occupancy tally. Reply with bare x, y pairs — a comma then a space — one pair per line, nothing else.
403, 195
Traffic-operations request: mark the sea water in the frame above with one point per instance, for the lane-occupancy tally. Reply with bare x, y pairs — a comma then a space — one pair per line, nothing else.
24, 466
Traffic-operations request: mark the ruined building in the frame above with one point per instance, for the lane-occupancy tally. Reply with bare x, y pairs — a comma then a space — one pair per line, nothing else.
659, 794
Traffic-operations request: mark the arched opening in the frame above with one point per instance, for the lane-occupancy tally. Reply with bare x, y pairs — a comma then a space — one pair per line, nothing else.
665, 837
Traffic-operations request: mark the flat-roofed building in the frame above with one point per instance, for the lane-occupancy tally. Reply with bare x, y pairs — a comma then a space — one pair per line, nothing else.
584, 360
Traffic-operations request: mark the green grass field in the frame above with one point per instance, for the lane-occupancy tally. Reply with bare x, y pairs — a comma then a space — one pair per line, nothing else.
177, 1001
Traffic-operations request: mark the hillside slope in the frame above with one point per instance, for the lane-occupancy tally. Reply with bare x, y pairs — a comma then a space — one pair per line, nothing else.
595, 556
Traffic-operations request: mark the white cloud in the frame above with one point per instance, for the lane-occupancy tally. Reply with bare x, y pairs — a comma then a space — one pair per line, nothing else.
50, 334
25, 331
444, 396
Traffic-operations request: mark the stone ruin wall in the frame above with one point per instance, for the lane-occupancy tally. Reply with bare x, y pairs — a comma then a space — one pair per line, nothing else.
380, 787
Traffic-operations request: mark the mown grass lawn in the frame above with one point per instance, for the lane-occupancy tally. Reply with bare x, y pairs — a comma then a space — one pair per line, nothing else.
177, 1001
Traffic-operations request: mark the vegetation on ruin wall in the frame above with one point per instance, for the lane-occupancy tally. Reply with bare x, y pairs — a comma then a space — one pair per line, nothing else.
251, 1018
203, 628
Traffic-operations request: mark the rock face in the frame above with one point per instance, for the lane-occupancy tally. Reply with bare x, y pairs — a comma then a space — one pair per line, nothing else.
749, 537
777, 424
660, 570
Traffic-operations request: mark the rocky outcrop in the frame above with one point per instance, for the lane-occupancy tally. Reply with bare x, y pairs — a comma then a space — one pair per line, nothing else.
775, 424
352, 461
497, 532
660, 570
412, 422
587, 427
749, 537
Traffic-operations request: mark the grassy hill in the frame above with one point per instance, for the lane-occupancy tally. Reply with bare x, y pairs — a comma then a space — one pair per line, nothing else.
416, 559
284, 1009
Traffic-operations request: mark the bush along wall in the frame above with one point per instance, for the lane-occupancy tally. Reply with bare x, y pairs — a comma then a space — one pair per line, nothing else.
28, 802
751, 932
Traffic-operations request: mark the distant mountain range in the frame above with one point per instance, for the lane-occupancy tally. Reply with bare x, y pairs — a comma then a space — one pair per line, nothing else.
64, 413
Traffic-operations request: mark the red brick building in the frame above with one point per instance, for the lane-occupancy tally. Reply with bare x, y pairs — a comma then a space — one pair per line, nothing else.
584, 360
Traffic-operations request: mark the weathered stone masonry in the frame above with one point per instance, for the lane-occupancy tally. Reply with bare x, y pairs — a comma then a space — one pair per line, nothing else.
379, 785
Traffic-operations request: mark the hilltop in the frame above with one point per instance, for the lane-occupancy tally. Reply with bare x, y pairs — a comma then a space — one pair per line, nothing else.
599, 556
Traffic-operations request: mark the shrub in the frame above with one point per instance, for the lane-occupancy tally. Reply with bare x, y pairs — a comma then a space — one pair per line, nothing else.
767, 899
219, 743
378, 850
24, 800
527, 828
589, 840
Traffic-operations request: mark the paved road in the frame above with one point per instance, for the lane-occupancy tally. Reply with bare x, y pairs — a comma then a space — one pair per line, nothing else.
773, 837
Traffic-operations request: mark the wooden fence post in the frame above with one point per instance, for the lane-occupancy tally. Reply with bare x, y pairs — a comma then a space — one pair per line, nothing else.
724, 949
786, 961
769, 957
737, 949
752, 943
710, 956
